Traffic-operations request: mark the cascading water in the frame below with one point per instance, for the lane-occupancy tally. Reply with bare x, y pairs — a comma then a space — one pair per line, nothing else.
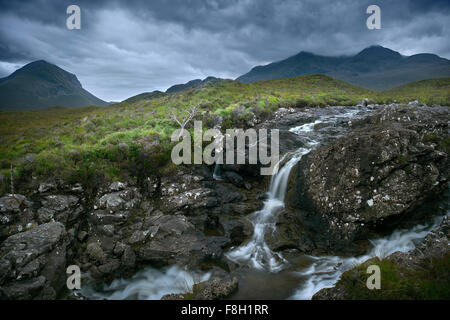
316, 273
148, 284
324, 272
256, 253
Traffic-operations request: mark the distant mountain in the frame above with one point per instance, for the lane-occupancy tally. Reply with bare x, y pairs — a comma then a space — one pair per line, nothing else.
145, 96
375, 68
40, 85
192, 83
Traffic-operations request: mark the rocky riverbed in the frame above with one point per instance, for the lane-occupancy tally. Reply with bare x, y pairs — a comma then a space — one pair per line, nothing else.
363, 172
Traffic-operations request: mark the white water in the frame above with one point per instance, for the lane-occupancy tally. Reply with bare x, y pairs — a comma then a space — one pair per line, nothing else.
256, 253
148, 284
324, 272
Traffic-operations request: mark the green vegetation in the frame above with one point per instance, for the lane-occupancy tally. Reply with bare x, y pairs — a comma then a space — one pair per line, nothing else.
426, 91
132, 138
429, 281
442, 143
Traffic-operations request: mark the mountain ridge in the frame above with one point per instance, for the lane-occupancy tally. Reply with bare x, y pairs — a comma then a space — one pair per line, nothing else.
40, 85
181, 87
375, 67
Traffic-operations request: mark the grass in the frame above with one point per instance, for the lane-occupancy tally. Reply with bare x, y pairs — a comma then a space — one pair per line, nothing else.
132, 139
431, 91
429, 281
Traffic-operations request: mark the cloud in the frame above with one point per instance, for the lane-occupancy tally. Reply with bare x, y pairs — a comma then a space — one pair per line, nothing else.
126, 48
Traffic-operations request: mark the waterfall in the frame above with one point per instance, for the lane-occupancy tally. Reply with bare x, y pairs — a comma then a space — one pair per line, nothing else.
325, 271
147, 284
317, 272
256, 253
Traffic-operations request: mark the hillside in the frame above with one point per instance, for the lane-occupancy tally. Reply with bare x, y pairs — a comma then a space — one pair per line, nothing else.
375, 68
193, 83
428, 91
39, 85
79, 144
144, 96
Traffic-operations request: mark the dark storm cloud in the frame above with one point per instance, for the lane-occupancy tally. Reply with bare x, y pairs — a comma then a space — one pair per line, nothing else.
128, 47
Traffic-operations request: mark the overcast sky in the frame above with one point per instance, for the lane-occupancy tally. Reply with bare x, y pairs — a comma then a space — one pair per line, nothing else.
128, 47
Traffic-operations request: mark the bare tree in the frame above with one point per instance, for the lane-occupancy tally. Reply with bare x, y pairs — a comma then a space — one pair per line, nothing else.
191, 113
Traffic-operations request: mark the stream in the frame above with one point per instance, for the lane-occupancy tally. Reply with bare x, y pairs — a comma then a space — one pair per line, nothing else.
265, 274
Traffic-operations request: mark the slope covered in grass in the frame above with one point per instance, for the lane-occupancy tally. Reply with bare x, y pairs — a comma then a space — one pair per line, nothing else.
426, 91
132, 138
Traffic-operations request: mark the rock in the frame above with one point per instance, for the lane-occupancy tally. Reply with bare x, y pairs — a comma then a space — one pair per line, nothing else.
128, 258
137, 236
117, 186
173, 296
45, 187
107, 230
176, 240
59, 203
77, 188
110, 267
125, 199
386, 167
228, 193
433, 249
62, 208
215, 289
191, 200
119, 248
11, 203
82, 235
35, 261
234, 178
95, 252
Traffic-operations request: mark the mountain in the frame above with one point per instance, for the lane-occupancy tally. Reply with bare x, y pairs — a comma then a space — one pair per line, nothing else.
145, 96
192, 83
39, 85
375, 68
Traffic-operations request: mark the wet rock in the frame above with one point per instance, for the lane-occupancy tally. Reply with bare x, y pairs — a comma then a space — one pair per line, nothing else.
16, 215
435, 247
386, 167
128, 258
137, 236
191, 200
35, 262
176, 240
61, 208
124, 199
11, 203
215, 289
173, 296
95, 252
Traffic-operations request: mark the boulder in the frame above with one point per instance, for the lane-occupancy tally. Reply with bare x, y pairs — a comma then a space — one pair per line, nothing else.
215, 289
388, 166
33, 263
175, 240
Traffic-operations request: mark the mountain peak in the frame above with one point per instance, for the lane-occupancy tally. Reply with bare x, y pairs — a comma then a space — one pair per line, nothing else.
375, 67
38, 64
40, 84
377, 52
192, 83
